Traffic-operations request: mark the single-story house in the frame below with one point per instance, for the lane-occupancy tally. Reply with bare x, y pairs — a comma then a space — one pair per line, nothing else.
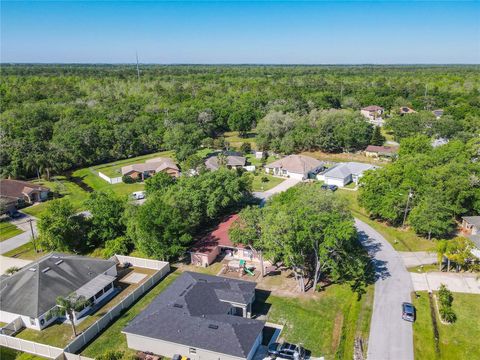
201, 317
295, 166
471, 229
14, 193
380, 151
439, 142
232, 160
217, 242
374, 114
438, 113
31, 292
406, 110
344, 173
151, 167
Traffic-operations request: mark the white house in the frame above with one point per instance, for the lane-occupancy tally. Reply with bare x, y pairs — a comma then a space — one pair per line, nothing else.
31, 293
374, 114
344, 173
295, 166
201, 317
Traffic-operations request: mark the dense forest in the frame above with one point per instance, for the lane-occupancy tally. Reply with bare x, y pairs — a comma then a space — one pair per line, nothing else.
57, 117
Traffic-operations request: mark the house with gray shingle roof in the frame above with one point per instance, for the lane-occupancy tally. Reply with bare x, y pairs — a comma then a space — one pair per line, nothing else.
229, 159
344, 173
199, 316
31, 292
295, 166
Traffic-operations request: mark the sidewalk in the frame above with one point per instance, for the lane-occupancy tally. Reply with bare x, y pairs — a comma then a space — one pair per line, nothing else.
456, 282
417, 258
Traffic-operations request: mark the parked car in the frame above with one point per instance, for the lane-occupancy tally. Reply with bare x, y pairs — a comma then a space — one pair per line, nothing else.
138, 195
14, 214
286, 351
408, 312
329, 187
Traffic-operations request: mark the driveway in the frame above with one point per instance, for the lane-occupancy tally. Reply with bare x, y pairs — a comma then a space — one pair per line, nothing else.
464, 283
287, 184
20, 239
391, 338
417, 258
8, 262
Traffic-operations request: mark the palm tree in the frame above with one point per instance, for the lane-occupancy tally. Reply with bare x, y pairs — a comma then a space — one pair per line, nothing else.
69, 305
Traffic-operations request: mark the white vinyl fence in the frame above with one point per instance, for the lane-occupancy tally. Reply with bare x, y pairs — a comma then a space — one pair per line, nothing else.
141, 262
114, 312
110, 180
30, 347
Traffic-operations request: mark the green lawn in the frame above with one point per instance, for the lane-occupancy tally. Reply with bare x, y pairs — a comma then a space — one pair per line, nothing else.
25, 252
112, 338
63, 186
236, 141
459, 340
113, 169
401, 240
272, 182
10, 354
423, 268
258, 162
8, 230
327, 324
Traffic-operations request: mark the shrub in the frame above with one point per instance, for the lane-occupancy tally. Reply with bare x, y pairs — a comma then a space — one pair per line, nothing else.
121, 245
447, 314
246, 148
445, 296
12, 270
111, 355
127, 179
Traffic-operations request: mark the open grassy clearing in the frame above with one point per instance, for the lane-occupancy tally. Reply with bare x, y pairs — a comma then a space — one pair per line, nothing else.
8, 230
459, 340
113, 169
258, 185
236, 140
343, 157
401, 240
325, 323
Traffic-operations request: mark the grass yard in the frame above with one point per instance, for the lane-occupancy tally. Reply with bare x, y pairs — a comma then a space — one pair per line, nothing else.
236, 141
25, 252
343, 157
63, 186
271, 183
10, 354
112, 338
8, 230
401, 240
459, 340
423, 268
326, 324
113, 169
258, 162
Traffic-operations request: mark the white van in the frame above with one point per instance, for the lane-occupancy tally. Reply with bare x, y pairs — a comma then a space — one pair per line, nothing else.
138, 195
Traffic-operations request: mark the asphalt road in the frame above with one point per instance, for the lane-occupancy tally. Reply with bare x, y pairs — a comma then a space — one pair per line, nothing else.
20, 239
391, 338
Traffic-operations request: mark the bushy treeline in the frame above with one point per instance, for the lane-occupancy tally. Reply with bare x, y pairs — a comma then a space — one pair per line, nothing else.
56, 117
326, 130
433, 186
162, 228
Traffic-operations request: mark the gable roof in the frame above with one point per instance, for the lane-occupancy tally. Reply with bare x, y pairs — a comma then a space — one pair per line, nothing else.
17, 188
33, 290
217, 237
298, 164
193, 311
343, 170
233, 159
156, 164
472, 220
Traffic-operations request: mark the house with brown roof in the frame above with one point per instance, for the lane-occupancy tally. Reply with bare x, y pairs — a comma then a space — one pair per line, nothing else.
151, 167
217, 243
406, 110
16, 193
381, 151
295, 166
374, 114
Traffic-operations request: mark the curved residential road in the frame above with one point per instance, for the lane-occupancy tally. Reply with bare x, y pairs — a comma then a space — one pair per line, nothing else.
391, 338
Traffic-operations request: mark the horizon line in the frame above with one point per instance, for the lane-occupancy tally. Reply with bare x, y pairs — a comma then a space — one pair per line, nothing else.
238, 64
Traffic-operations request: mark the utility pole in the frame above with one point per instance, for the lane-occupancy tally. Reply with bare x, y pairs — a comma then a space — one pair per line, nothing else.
138, 70
410, 195
33, 235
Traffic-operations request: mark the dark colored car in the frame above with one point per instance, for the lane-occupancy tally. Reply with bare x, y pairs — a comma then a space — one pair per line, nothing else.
408, 312
286, 351
329, 187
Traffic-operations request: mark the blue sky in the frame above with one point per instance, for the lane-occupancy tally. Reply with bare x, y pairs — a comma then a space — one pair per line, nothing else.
325, 32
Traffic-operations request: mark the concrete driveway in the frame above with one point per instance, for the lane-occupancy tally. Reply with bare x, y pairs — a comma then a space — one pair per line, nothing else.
456, 282
8, 262
391, 338
287, 184
21, 239
417, 258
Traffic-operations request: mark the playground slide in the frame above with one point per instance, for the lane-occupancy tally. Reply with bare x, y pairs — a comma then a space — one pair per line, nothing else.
249, 272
